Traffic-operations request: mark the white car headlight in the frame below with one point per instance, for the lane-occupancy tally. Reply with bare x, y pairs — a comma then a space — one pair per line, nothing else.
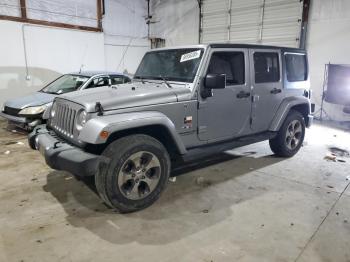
81, 119
33, 110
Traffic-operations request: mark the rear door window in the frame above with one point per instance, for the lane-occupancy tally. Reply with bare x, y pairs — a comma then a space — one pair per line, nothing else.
266, 67
99, 81
116, 80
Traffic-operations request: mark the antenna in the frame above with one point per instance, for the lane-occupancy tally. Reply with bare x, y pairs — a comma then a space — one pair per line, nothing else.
81, 67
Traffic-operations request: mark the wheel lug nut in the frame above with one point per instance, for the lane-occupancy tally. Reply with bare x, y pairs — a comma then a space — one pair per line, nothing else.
143, 170
143, 177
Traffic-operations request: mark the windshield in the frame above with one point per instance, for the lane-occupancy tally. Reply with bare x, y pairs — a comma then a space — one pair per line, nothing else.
65, 84
173, 65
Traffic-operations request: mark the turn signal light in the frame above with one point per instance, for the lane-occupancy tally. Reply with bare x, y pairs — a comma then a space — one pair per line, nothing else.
104, 134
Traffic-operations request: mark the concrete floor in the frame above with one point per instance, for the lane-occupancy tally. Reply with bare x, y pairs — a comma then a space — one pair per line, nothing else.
245, 205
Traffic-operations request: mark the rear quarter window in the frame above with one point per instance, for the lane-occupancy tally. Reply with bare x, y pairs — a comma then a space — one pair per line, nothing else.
296, 67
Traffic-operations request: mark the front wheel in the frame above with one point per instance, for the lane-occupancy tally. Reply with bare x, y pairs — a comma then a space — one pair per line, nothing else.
290, 137
134, 173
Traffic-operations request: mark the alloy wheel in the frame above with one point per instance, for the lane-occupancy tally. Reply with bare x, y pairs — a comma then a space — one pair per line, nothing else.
294, 134
139, 175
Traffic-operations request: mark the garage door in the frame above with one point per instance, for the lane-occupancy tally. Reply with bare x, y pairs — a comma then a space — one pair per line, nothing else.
271, 22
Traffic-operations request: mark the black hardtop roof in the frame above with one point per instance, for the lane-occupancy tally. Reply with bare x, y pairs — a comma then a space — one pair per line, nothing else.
255, 46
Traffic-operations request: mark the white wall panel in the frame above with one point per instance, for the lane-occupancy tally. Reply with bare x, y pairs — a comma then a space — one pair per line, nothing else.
328, 41
123, 54
125, 32
49, 53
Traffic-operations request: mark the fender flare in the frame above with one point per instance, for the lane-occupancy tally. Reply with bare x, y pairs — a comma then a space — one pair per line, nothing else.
124, 121
284, 108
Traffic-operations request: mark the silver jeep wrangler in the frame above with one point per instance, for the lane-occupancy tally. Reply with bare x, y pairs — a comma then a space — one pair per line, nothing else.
183, 103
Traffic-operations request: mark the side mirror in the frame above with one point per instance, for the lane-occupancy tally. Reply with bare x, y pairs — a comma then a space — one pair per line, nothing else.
215, 81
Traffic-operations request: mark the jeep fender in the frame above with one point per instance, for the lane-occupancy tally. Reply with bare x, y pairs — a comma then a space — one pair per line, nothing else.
284, 108
124, 121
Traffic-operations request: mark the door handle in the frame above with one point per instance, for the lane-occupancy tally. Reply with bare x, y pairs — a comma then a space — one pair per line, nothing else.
276, 91
243, 94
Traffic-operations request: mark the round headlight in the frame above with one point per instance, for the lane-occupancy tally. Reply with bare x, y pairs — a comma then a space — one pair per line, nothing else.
53, 110
81, 119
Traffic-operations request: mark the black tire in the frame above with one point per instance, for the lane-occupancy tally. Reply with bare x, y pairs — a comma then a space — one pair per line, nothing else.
115, 157
281, 144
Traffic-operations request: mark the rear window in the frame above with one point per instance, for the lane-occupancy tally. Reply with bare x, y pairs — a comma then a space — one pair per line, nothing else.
296, 67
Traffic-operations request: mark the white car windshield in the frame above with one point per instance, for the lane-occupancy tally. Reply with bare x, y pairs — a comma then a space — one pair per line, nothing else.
65, 84
172, 65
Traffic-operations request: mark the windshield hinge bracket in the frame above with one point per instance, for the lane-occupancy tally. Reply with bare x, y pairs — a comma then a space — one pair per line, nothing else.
99, 109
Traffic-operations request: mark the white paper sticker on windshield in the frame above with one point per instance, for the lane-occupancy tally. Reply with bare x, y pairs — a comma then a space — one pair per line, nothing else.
190, 56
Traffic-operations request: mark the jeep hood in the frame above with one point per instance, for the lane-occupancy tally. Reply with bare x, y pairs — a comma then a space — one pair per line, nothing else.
35, 99
129, 95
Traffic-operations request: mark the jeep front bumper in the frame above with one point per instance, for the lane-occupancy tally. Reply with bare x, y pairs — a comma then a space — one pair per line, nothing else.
61, 155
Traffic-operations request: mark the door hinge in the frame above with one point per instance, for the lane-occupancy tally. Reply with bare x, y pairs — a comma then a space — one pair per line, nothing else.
250, 120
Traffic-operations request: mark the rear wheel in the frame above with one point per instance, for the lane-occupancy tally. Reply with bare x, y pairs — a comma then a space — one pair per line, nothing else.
290, 137
135, 172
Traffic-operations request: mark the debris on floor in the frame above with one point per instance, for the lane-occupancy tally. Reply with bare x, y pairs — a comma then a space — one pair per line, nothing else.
9, 143
172, 179
339, 152
201, 181
7, 152
331, 158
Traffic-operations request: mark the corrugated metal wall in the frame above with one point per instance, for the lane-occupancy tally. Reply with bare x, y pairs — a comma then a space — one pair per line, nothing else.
275, 22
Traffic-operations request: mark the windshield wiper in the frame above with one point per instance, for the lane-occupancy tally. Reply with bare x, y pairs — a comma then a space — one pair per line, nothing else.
165, 81
49, 92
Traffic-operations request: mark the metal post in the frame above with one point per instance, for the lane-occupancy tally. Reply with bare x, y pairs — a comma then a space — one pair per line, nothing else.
23, 9
262, 22
229, 20
199, 21
304, 23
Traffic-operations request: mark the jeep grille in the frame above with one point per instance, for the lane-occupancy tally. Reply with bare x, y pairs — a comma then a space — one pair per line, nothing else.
64, 120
